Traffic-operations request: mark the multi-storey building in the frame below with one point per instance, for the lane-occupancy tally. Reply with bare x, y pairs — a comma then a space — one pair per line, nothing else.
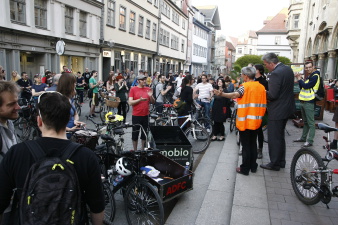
212, 21
230, 53
313, 34
272, 37
247, 44
31, 30
131, 30
199, 62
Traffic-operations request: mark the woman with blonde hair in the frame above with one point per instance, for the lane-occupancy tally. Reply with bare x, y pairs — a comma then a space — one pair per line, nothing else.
38, 87
15, 76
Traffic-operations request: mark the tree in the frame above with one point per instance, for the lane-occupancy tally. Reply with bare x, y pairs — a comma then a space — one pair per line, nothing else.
245, 60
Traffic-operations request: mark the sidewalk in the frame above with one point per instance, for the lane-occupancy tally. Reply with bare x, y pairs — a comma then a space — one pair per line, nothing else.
221, 196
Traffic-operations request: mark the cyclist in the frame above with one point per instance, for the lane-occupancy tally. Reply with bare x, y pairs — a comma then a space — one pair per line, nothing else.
26, 86
139, 98
204, 96
80, 82
95, 86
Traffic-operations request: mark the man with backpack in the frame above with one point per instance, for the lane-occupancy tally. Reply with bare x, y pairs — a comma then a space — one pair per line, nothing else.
51, 179
159, 93
307, 96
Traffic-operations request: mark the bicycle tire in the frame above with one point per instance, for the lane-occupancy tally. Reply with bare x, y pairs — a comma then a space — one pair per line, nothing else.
78, 109
302, 173
127, 108
204, 123
143, 204
238, 138
199, 139
233, 120
110, 204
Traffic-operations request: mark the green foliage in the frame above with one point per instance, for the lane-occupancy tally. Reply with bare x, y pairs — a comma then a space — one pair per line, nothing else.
284, 60
245, 60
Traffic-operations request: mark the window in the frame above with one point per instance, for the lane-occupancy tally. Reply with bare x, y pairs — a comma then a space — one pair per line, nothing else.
122, 18
148, 29
154, 31
132, 22
277, 40
174, 42
295, 21
40, 11
111, 13
143, 62
183, 24
18, 10
69, 18
175, 18
156, 3
140, 26
150, 1
182, 45
165, 9
164, 37
239, 50
83, 24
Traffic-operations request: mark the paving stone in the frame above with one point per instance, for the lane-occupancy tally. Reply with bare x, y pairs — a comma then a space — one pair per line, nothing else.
286, 207
276, 198
273, 205
276, 222
278, 214
288, 222
281, 191
249, 216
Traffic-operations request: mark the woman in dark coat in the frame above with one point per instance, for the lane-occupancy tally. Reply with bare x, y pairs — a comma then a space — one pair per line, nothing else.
186, 96
220, 112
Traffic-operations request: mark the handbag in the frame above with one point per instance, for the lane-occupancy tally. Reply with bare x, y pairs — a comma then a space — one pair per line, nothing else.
179, 104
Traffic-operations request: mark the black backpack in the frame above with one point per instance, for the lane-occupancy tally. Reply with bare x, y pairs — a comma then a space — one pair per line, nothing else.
320, 94
51, 194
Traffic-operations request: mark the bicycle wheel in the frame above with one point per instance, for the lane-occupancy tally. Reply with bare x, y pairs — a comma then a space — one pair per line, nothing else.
199, 138
98, 108
110, 205
78, 108
205, 123
103, 113
127, 107
238, 139
306, 182
233, 120
143, 205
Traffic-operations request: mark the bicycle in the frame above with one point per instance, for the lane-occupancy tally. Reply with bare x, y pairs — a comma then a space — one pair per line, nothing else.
101, 96
200, 116
311, 178
233, 116
143, 203
77, 105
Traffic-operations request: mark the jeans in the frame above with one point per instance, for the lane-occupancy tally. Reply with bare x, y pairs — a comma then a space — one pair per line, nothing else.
206, 107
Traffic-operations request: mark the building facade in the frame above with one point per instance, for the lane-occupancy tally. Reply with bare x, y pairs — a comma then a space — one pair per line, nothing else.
30, 31
247, 44
273, 36
313, 34
220, 54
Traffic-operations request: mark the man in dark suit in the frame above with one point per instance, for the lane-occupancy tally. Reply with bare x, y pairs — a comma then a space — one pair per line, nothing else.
281, 106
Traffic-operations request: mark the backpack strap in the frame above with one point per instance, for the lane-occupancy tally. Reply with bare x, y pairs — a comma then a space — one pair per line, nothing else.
35, 150
70, 150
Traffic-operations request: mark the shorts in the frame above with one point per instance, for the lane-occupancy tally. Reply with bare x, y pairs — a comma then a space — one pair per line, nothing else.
95, 99
143, 121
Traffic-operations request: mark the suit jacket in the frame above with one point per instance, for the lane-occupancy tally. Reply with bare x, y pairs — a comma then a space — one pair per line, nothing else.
281, 103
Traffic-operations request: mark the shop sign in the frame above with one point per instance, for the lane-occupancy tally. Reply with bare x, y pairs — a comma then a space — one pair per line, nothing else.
106, 54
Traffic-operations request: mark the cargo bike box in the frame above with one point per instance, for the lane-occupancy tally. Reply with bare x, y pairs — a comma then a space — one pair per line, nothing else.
173, 143
173, 180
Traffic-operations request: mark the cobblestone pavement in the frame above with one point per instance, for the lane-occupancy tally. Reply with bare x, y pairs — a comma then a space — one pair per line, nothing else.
284, 206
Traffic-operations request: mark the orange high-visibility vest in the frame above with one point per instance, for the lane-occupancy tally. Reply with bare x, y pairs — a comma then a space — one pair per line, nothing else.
251, 107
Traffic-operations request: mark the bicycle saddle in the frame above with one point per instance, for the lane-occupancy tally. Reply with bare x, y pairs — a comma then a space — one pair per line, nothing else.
106, 137
118, 131
326, 128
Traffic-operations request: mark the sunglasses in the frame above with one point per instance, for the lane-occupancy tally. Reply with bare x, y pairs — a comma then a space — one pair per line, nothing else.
44, 93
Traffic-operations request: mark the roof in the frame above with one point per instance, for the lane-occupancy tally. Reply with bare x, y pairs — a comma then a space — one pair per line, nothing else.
276, 24
230, 45
233, 40
211, 15
252, 34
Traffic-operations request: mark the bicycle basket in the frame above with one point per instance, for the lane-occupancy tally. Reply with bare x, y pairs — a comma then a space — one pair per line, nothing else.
87, 138
112, 102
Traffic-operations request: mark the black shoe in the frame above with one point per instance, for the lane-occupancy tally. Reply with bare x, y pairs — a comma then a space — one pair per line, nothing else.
269, 166
90, 116
299, 140
253, 170
238, 170
93, 115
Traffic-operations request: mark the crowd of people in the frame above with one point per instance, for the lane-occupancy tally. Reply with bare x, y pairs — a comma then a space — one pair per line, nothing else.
57, 118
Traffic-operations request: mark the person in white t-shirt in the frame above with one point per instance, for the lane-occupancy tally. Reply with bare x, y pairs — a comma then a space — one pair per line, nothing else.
179, 80
205, 94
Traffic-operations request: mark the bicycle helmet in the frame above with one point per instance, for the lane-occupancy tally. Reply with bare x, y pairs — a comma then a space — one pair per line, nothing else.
110, 117
123, 166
